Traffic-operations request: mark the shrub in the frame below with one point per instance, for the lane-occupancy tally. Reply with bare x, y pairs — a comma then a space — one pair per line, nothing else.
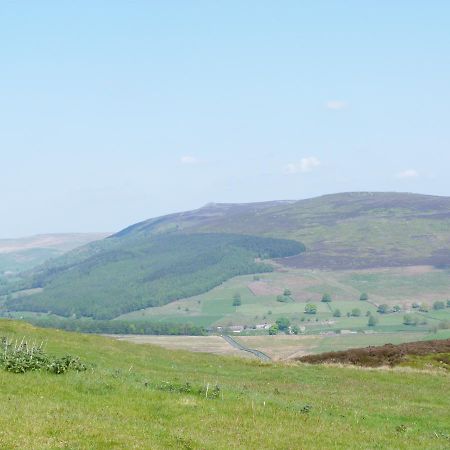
356, 312
336, 313
326, 298
423, 308
295, 329
287, 292
273, 330
364, 297
23, 357
438, 305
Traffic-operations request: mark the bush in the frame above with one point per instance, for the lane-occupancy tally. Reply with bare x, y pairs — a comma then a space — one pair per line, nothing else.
295, 329
438, 305
287, 292
25, 358
326, 298
237, 299
273, 330
364, 297
356, 312
336, 313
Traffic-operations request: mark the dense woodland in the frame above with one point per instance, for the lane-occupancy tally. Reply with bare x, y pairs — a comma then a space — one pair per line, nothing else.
119, 275
119, 326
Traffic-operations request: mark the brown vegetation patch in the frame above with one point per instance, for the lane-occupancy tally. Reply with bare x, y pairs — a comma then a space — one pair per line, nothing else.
262, 288
385, 355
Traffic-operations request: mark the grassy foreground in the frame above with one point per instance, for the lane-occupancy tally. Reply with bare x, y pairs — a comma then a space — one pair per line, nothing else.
134, 396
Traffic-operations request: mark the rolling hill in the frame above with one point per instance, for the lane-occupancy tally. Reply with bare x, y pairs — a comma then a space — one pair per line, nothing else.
349, 230
166, 258
17, 255
123, 274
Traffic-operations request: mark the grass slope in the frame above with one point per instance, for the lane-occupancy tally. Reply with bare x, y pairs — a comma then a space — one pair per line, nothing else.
396, 286
125, 401
119, 275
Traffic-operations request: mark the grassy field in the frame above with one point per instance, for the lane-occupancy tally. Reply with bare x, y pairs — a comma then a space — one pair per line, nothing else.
134, 396
394, 286
282, 347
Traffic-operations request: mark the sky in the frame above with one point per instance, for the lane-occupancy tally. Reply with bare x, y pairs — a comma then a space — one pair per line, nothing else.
112, 112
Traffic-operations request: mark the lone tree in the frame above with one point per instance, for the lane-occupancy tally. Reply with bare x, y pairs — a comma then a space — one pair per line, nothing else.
364, 297
438, 305
383, 309
273, 330
237, 299
326, 298
372, 321
356, 312
283, 323
310, 308
410, 319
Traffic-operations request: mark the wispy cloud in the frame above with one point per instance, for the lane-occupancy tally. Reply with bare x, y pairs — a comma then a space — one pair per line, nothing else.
188, 160
336, 104
304, 165
408, 173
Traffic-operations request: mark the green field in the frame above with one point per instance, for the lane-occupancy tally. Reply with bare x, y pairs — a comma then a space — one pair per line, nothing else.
135, 396
395, 286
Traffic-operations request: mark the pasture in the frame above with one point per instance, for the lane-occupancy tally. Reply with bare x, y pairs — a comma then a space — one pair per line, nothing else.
143, 396
400, 287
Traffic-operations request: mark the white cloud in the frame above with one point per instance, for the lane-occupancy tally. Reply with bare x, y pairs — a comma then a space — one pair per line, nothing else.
188, 160
408, 173
302, 166
336, 104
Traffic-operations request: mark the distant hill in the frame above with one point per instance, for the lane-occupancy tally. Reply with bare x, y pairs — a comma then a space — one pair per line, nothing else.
349, 230
111, 277
166, 258
21, 254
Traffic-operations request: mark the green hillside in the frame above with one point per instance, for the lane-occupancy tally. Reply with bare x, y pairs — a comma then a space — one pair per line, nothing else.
127, 273
180, 255
140, 396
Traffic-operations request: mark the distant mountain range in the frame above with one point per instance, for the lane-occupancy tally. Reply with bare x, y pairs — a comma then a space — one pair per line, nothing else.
21, 254
174, 256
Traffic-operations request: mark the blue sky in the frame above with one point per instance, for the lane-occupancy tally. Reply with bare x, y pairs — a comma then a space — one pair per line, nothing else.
114, 112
